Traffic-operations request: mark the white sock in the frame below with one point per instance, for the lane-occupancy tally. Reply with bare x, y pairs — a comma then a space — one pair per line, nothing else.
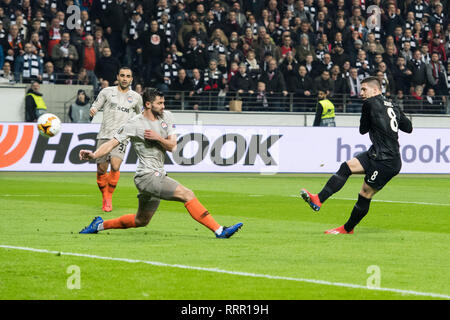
219, 231
100, 227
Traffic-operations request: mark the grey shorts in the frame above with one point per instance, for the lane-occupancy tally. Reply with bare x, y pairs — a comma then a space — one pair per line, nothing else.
117, 152
155, 185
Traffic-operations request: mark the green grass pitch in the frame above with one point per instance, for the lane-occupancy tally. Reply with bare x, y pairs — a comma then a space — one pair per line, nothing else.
402, 246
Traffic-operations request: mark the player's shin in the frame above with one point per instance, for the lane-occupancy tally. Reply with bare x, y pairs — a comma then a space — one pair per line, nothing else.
112, 181
335, 183
123, 222
201, 215
358, 213
102, 182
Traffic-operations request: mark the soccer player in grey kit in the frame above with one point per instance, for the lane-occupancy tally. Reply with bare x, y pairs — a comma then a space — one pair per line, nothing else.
118, 103
152, 133
382, 120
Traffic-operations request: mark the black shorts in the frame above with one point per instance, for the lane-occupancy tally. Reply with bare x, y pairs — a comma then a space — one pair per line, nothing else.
378, 172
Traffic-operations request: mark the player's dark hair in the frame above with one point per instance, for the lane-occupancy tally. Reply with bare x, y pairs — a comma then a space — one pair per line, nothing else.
372, 80
150, 95
125, 68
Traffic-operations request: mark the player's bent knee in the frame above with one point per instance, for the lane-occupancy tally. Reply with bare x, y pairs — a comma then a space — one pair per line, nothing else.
141, 222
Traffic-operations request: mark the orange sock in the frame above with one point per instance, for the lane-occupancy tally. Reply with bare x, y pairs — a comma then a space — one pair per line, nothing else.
123, 222
200, 214
102, 182
112, 181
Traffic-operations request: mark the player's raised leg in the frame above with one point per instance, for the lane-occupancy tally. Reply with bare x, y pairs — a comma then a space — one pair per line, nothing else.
333, 185
199, 213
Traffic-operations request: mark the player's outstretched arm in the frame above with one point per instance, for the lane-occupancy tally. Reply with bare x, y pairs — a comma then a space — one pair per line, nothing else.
100, 152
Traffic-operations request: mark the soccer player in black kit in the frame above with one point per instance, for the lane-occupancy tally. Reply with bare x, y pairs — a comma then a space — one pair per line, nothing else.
380, 163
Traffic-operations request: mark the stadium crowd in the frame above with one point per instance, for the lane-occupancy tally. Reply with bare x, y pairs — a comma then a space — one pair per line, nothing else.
263, 51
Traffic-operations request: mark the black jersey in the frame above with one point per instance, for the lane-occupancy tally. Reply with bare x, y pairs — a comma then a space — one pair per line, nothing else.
382, 119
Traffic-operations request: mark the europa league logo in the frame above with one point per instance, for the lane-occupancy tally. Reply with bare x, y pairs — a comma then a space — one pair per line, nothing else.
74, 18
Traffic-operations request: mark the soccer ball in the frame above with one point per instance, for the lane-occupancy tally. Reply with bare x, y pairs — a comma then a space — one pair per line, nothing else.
48, 125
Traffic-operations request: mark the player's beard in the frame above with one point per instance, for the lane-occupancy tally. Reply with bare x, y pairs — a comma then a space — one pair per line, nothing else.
156, 113
124, 88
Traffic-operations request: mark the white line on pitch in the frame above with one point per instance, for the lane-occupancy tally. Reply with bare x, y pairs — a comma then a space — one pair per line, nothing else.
236, 273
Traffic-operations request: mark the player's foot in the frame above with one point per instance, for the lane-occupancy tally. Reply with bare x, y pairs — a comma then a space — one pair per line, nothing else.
311, 199
92, 228
107, 204
229, 231
339, 230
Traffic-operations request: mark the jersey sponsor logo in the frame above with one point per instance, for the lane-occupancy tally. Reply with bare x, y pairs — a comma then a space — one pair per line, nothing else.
9, 157
123, 109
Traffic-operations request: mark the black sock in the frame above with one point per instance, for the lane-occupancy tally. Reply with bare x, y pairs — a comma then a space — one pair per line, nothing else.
336, 182
359, 211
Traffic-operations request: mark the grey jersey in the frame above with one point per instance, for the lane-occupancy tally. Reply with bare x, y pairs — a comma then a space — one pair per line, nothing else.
117, 108
151, 154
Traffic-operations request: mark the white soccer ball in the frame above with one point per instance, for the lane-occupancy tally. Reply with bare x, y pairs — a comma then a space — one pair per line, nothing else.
48, 125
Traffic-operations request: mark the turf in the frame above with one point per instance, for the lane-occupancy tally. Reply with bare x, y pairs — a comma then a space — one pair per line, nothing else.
405, 235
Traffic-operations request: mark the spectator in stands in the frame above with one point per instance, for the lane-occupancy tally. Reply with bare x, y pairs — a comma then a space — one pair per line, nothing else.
152, 46
402, 75
134, 28
88, 59
34, 103
53, 36
418, 69
217, 46
436, 45
198, 84
12, 44
234, 53
67, 76
6, 75
305, 48
267, 46
437, 75
28, 66
198, 31
182, 85
391, 19
302, 86
387, 74
415, 102
64, 52
242, 84
354, 84
166, 73
275, 85
49, 76
107, 67
79, 110
339, 56
83, 78
406, 52
432, 103
214, 81
195, 56
99, 40
260, 99
325, 82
